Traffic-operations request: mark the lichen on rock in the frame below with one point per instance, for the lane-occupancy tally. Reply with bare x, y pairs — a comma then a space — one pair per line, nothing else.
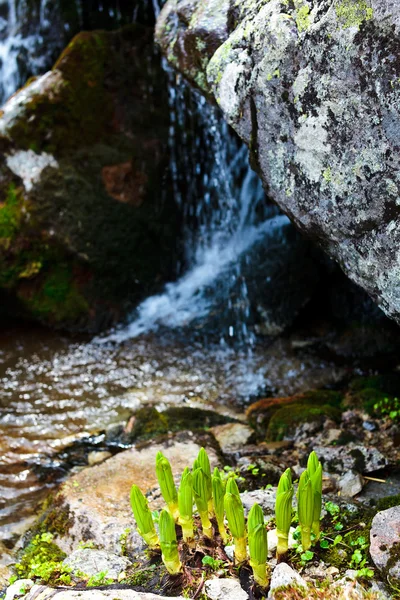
313, 89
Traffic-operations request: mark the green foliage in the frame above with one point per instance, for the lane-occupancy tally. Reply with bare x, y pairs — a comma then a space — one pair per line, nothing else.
214, 563
388, 407
42, 559
99, 579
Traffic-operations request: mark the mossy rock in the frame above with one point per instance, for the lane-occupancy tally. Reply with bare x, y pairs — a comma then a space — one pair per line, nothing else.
150, 423
284, 421
262, 412
96, 231
365, 392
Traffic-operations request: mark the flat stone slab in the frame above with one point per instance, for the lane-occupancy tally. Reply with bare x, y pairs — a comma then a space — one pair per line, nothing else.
385, 541
232, 436
97, 498
40, 592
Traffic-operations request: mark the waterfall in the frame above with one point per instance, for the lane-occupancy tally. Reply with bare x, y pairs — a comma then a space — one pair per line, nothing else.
218, 195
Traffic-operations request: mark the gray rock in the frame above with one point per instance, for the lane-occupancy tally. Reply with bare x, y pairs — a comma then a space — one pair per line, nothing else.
384, 536
350, 484
91, 561
265, 498
313, 90
282, 576
338, 459
221, 589
42, 592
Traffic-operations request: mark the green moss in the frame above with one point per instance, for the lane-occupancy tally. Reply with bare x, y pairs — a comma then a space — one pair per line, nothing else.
54, 517
149, 422
57, 298
285, 420
352, 13
80, 110
388, 502
366, 392
42, 559
10, 215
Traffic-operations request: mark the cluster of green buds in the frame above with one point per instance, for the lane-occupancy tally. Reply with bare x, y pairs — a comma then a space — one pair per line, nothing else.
309, 499
213, 500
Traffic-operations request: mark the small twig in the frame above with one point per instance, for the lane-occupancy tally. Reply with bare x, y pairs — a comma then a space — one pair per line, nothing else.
201, 584
374, 479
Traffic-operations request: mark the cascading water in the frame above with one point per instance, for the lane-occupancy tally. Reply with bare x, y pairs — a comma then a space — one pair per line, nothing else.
219, 196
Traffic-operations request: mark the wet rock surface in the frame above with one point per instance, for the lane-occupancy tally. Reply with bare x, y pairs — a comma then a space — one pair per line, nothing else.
298, 84
80, 236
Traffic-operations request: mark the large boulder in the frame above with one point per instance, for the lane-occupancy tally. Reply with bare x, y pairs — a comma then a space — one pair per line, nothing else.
87, 218
313, 89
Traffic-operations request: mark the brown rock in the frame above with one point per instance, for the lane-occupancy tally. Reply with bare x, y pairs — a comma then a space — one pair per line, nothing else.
125, 183
232, 436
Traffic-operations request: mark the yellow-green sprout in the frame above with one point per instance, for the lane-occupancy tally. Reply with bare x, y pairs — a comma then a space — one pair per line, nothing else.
200, 490
305, 507
185, 503
203, 462
258, 545
144, 520
235, 516
218, 493
168, 543
314, 469
283, 512
167, 485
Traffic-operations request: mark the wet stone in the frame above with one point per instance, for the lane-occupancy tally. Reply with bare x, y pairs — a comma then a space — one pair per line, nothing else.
339, 459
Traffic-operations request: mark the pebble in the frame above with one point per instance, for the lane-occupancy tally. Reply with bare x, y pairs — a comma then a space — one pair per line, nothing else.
95, 458
282, 576
42, 592
350, 484
232, 436
224, 589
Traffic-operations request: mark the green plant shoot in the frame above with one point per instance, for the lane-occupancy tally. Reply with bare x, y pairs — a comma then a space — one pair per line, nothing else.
200, 490
168, 543
305, 501
283, 512
185, 503
167, 485
235, 516
314, 469
218, 494
258, 545
143, 518
203, 462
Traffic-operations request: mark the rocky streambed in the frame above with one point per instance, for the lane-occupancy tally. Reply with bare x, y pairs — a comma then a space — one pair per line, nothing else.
83, 541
